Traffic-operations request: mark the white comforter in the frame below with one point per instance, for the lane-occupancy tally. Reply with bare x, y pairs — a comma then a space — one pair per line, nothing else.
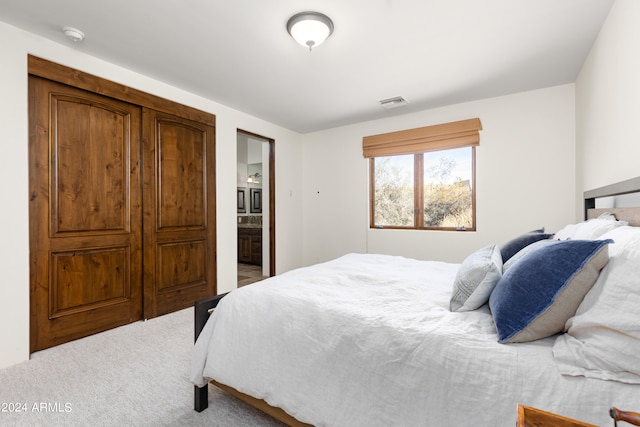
368, 340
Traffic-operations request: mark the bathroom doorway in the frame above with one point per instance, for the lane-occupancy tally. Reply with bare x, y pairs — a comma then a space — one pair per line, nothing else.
256, 207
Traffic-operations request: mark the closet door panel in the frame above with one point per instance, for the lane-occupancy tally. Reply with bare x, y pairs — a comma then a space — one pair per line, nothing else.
107, 268
85, 213
182, 180
179, 212
90, 150
181, 265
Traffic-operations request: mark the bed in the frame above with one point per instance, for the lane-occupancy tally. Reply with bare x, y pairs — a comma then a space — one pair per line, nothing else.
378, 340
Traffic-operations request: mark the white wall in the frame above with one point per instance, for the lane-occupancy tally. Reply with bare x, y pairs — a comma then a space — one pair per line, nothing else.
527, 173
537, 155
525, 168
14, 258
608, 102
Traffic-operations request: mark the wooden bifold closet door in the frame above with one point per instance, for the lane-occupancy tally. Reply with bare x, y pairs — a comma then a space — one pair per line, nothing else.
122, 212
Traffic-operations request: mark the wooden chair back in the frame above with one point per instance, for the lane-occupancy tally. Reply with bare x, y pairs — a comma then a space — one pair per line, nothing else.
626, 416
533, 417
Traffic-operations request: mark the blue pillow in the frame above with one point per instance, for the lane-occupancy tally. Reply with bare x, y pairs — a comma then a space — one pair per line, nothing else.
540, 292
513, 246
521, 253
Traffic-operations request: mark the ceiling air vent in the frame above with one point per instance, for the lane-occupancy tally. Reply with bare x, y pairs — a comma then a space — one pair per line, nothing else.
398, 101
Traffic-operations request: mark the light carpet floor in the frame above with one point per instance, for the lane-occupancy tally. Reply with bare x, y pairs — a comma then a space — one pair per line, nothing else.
135, 375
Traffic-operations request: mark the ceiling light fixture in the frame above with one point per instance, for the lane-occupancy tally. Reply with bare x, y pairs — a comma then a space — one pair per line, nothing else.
73, 34
310, 29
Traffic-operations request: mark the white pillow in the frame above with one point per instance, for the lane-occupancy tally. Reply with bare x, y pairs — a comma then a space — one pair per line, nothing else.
603, 338
622, 237
591, 229
477, 276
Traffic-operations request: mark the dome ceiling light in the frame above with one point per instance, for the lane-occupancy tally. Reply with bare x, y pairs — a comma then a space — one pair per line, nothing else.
310, 29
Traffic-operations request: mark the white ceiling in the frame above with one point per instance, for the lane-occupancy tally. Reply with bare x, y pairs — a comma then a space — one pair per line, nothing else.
238, 53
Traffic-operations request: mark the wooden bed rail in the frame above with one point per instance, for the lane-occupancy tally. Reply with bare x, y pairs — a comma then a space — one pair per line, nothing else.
202, 310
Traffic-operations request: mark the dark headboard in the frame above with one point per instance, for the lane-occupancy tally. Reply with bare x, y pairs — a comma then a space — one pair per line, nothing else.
630, 214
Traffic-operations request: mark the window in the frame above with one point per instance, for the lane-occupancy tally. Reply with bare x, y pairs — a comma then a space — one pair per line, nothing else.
424, 178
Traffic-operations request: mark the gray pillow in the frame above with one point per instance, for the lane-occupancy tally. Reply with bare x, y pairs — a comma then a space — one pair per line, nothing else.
477, 276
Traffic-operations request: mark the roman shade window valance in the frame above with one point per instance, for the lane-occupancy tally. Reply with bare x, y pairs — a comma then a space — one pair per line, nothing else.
463, 133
